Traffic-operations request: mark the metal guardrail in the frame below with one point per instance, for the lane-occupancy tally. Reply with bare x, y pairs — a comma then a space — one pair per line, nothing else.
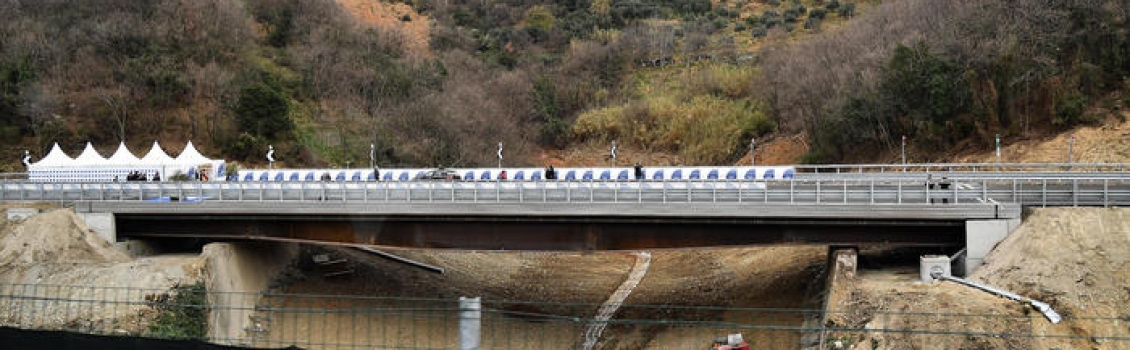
964, 167
1046, 191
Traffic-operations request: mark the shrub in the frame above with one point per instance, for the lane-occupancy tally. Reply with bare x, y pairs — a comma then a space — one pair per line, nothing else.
847, 10
833, 5
181, 313
263, 111
1069, 109
759, 32
818, 13
812, 23
790, 17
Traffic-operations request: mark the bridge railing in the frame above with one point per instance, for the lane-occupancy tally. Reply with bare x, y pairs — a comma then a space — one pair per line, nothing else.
1063, 190
963, 167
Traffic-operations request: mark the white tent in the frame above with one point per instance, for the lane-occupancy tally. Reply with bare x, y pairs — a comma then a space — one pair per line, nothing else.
90, 166
123, 157
191, 162
90, 157
157, 157
56, 157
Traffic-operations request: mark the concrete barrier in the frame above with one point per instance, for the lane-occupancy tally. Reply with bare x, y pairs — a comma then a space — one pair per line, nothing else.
20, 214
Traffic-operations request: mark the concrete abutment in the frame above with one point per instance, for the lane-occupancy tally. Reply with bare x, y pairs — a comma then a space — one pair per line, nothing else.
980, 238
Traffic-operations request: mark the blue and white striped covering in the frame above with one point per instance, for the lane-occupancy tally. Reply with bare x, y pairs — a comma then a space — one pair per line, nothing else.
667, 173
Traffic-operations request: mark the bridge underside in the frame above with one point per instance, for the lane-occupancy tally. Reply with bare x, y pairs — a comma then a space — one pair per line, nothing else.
544, 233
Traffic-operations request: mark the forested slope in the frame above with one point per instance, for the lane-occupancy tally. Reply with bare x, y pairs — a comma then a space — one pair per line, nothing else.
432, 82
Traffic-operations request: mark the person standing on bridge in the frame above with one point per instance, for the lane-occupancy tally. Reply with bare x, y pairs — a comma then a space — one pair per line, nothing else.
639, 171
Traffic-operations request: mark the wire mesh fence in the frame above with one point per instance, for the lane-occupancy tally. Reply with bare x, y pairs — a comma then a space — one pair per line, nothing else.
364, 322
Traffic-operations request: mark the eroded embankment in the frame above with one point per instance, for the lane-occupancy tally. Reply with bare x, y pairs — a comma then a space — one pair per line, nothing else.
1076, 259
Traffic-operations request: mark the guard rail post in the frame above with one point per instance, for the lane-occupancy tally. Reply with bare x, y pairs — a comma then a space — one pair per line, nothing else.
1106, 193
817, 191
898, 193
845, 191
1044, 194
1075, 192
871, 193
792, 193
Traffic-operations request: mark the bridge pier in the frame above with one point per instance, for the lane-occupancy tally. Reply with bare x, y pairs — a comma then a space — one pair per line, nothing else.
980, 238
102, 223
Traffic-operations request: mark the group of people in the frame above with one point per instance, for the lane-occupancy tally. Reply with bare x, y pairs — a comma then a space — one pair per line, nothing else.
551, 173
934, 185
140, 176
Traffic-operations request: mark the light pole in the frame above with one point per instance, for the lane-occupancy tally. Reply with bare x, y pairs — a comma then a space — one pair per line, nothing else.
1071, 150
752, 152
904, 153
270, 157
612, 153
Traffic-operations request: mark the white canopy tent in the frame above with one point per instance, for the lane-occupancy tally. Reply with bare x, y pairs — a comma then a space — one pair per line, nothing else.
90, 166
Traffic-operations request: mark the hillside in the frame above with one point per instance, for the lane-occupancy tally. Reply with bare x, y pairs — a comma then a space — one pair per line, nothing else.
673, 81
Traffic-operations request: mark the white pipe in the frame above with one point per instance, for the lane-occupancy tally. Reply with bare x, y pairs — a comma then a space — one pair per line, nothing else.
1043, 307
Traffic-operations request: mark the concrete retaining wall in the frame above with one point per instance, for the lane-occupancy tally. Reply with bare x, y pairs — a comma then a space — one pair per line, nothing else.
980, 238
102, 223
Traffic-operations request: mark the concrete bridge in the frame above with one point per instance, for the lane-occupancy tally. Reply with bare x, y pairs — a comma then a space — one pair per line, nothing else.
974, 212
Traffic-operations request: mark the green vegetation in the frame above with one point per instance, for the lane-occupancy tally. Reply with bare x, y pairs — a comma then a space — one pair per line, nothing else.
694, 78
706, 117
181, 314
967, 77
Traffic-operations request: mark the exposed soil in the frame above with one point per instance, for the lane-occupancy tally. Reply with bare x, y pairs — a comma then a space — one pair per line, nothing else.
561, 285
1106, 143
1075, 259
412, 33
55, 255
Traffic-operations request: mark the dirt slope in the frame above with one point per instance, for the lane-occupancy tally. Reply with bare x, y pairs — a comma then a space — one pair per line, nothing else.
389, 17
55, 248
1076, 259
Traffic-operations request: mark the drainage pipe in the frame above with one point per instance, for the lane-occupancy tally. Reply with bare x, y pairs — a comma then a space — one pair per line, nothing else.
402, 260
1043, 307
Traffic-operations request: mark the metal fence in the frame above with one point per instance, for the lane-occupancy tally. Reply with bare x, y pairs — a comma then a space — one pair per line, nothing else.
365, 322
1058, 190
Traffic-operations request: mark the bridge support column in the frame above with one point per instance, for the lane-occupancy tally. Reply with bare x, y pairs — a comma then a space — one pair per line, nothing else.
980, 238
102, 224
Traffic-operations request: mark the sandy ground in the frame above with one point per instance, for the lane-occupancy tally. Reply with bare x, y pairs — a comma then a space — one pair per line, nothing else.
1075, 259
1106, 143
54, 255
532, 295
